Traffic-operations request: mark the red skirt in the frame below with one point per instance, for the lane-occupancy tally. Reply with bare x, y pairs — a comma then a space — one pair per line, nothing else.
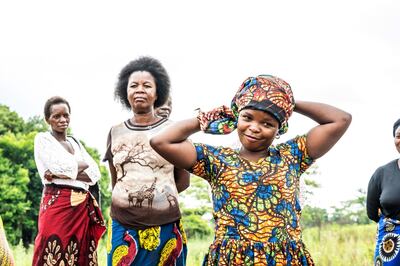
70, 226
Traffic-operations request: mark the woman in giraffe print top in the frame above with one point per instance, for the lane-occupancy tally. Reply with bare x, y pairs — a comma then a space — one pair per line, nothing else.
146, 228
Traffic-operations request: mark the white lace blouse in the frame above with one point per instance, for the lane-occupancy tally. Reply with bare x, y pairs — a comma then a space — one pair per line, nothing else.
51, 155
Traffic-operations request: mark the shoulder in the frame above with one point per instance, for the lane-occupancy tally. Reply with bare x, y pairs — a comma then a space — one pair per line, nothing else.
119, 125
43, 136
75, 139
386, 167
216, 151
298, 142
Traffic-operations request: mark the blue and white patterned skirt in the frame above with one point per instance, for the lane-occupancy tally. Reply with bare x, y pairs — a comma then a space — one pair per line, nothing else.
387, 242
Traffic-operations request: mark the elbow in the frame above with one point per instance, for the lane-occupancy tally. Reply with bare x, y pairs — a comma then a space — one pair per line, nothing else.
346, 119
343, 122
374, 218
156, 143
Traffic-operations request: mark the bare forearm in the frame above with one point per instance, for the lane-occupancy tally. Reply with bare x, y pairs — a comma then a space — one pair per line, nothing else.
180, 131
332, 121
182, 179
320, 112
113, 173
82, 176
172, 143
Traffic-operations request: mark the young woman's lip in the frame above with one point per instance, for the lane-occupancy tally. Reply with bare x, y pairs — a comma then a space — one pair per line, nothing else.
251, 137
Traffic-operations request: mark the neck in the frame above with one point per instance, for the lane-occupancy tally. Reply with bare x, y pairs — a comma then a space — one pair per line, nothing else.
60, 136
144, 118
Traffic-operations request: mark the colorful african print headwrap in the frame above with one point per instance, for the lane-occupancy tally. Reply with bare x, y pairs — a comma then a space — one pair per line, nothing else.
265, 92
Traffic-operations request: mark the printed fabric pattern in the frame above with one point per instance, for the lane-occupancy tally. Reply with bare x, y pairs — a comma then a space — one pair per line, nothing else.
388, 242
159, 245
256, 204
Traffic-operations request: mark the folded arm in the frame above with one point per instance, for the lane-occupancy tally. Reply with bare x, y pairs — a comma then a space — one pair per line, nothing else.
333, 123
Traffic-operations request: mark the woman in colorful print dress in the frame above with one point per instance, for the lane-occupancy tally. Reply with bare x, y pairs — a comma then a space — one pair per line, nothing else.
6, 256
70, 221
146, 227
383, 207
255, 188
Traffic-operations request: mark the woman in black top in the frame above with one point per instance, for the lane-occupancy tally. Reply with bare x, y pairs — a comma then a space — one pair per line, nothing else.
383, 207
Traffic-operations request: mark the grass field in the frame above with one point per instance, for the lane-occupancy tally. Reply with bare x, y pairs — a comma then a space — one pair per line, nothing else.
333, 245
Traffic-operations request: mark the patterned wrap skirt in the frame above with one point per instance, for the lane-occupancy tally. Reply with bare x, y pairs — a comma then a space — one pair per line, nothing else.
70, 226
387, 242
159, 245
6, 257
236, 251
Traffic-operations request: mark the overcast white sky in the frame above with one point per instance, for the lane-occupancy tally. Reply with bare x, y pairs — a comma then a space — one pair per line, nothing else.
344, 53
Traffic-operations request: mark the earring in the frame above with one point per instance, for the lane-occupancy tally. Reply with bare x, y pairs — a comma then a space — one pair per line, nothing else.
277, 136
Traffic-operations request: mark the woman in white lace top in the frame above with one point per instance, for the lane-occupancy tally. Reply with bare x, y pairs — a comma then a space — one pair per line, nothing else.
70, 221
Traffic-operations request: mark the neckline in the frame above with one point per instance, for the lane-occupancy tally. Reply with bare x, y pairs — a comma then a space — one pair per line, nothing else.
132, 126
237, 151
66, 140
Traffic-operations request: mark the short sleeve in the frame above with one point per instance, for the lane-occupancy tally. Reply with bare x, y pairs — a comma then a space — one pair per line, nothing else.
108, 155
207, 163
298, 151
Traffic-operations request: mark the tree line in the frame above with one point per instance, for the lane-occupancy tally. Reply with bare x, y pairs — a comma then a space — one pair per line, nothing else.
21, 188
20, 183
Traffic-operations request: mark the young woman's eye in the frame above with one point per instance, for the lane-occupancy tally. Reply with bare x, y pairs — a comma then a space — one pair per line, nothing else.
268, 124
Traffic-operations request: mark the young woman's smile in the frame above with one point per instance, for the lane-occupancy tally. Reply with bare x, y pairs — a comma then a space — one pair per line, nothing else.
256, 129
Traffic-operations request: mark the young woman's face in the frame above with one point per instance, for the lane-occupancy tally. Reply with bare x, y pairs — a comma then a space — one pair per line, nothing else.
256, 129
141, 91
397, 139
59, 117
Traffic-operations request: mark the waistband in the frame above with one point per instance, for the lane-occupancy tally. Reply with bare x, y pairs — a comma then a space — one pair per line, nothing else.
52, 187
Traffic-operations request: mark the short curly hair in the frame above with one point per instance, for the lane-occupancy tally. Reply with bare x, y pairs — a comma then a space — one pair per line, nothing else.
52, 101
155, 68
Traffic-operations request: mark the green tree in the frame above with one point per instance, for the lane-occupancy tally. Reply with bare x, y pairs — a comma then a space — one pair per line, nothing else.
20, 183
104, 182
18, 148
14, 205
195, 216
194, 223
10, 121
352, 211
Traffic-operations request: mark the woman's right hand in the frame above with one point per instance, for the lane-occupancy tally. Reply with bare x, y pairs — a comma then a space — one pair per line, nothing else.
48, 175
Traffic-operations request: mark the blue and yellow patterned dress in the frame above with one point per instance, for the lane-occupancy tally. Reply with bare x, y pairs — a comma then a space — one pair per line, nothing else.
256, 204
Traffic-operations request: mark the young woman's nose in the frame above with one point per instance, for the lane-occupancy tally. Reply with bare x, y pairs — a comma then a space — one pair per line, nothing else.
254, 127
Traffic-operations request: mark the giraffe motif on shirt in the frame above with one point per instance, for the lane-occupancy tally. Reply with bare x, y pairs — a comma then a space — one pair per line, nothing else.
170, 198
149, 193
138, 195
